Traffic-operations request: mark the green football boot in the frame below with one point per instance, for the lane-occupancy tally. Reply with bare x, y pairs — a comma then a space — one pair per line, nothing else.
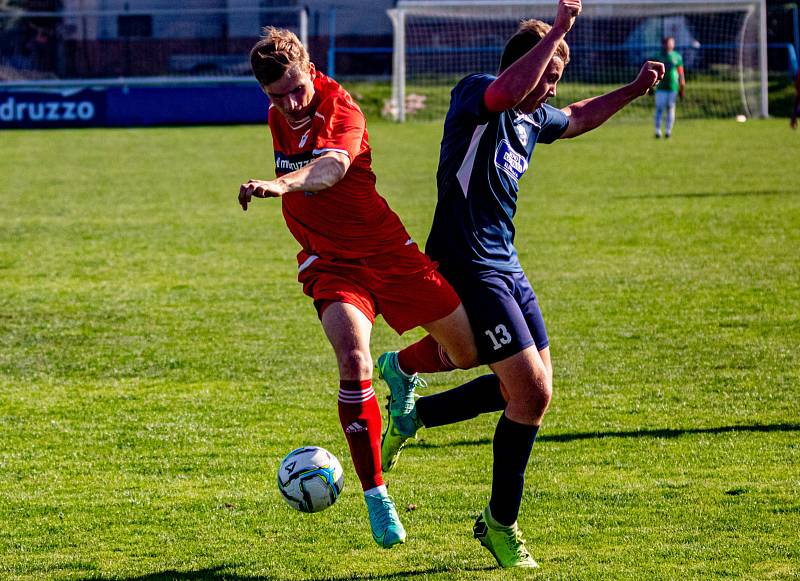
387, 530
401, 422
398, 431
504, 543
401, 386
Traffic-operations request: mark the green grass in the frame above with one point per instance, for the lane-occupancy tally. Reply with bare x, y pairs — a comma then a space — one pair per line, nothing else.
158, 358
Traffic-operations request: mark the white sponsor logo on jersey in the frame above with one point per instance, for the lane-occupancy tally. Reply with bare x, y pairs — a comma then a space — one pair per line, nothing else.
509, 161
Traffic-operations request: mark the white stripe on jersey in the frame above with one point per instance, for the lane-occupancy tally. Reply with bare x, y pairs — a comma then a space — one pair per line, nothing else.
321, 151
465, 171
307, 263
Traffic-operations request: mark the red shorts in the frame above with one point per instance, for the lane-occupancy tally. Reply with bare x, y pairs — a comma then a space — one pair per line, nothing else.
403, 286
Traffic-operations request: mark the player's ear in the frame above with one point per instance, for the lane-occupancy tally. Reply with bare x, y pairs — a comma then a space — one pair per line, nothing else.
311, 69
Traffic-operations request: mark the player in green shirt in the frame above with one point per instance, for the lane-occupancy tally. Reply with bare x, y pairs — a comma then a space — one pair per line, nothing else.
670, 86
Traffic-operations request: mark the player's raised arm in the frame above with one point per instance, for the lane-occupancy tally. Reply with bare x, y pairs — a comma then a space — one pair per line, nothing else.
590, 113
521, 77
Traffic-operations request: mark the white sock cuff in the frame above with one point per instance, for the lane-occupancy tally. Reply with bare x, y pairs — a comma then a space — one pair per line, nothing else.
377, 491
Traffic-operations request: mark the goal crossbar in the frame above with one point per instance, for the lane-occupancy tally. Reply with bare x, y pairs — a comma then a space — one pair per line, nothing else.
752, 46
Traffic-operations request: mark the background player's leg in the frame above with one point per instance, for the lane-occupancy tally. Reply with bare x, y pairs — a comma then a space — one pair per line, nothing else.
659, 111
658, 121
670, 115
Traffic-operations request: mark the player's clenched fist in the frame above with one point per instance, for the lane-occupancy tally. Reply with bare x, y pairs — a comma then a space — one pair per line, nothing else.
258, 189
649, 75
568, 10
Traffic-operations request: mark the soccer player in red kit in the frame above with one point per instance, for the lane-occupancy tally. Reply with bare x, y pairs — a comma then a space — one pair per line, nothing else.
356, 259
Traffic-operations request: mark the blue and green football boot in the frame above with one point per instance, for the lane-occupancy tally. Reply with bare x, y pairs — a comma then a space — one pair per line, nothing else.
387, 530
401, 422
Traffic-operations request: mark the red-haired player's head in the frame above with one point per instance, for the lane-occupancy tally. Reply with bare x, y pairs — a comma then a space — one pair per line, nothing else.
282, 67
528, 35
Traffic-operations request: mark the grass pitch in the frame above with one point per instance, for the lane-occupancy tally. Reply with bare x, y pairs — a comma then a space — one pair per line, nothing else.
158, 358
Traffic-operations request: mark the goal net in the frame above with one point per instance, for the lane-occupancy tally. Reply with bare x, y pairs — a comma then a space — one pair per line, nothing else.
722, 42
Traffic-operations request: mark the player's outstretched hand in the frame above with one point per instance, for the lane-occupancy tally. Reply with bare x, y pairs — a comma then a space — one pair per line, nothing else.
568, 10
258, 189
793, 122
649, 75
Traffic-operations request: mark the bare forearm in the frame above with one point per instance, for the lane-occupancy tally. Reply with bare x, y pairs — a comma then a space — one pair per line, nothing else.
318, 175
591, 113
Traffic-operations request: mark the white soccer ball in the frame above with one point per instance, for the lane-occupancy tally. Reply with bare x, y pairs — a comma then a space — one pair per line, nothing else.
310, 479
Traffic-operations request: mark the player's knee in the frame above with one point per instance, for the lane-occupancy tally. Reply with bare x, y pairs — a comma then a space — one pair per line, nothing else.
465, 357
355, 363
532, 402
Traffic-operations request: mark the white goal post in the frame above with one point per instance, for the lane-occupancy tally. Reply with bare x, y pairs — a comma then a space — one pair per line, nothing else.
723, 44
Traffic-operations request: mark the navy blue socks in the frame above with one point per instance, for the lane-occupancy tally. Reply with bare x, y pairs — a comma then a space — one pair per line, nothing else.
512, 441
512, 449
464, 402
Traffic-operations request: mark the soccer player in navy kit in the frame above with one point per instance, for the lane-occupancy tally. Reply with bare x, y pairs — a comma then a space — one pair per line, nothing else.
490, 133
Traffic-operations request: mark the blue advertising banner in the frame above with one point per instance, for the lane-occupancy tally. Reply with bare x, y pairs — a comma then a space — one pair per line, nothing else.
81, 108
136, 106
133, 106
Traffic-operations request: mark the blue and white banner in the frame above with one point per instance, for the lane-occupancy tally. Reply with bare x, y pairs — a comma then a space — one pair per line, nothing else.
82, 108
132, 106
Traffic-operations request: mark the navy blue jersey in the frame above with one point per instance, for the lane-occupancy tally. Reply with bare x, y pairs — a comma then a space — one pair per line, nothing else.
483, 156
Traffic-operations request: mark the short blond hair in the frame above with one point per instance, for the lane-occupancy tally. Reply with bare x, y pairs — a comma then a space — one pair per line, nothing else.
528, 34
277, 51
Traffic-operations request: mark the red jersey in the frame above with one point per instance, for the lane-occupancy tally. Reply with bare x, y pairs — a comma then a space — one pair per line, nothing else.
349, 220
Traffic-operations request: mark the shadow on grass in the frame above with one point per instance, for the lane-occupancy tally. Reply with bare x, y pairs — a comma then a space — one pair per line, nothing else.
422, 443
669, 432
654, 433
223, 573
712, 194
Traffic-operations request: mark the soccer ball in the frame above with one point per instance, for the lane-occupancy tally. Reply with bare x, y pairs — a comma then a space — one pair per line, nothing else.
310, 479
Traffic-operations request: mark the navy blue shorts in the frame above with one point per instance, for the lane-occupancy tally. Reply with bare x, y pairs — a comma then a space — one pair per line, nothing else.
503, 312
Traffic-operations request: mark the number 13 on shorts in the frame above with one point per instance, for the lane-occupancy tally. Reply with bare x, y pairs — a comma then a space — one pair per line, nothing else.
499, 337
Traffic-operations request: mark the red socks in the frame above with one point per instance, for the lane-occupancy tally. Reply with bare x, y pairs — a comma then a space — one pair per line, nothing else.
424, 356
360, 414
360, 417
